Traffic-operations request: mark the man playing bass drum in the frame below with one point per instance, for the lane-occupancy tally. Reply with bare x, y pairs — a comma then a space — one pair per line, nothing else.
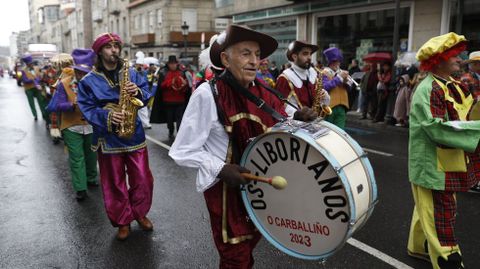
217, 125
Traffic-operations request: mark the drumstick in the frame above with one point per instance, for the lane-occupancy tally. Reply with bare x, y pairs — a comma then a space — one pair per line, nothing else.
277, 182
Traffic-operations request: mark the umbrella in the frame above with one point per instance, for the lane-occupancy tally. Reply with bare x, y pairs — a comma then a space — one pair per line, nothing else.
378, 57
407, 59
151, 60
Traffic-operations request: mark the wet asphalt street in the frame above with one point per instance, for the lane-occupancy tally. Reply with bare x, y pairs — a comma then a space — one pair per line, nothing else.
43, 226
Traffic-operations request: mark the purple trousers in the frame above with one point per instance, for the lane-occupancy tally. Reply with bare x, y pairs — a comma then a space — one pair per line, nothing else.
126, 203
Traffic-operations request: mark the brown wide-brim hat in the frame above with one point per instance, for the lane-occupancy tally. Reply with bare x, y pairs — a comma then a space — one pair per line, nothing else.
237, 33
297, 46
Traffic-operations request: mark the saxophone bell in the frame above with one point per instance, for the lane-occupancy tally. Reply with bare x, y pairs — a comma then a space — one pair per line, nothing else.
326, 110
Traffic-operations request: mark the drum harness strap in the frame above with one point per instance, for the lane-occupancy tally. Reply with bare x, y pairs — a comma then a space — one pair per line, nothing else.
259, 102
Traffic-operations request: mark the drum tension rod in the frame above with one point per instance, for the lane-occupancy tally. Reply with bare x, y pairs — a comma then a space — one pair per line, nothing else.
370, 209
338, 169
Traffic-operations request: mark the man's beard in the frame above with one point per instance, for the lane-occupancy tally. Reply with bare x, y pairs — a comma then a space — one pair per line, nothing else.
112, 59
305, 65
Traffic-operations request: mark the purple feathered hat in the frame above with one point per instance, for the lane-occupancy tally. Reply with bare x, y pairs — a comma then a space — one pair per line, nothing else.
83, 59
333, 54
27, 59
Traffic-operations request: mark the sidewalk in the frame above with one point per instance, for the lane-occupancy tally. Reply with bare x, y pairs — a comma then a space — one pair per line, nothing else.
353, 118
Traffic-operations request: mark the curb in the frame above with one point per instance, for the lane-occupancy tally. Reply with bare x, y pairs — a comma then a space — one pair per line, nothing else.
353, 118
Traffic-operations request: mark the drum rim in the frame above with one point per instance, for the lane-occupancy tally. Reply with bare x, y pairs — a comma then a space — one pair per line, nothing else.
366, 164
365, 161
307, 139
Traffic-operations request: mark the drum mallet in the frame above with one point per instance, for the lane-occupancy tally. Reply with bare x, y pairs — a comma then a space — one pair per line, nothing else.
277, 182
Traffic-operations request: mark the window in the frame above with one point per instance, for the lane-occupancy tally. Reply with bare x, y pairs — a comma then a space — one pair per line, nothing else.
151, 21
136, 24
143, 23
223, 3
51, 13
40, 15
464, 19
159, 17
361, 33
284, 31
124, 27
189, 15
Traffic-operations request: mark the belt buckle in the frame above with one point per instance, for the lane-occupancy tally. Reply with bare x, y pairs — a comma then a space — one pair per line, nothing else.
261, 104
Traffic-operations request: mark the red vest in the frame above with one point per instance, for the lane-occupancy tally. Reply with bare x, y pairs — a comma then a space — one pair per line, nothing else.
243, 121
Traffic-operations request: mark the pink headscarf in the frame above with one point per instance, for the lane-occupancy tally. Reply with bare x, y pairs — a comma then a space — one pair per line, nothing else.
104, 39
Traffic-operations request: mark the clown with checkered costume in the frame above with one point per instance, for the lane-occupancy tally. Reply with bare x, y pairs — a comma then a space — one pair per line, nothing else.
443, 152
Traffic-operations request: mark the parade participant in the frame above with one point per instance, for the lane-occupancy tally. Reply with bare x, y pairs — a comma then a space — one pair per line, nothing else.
218, 123
143, 112
402, 103
274, 70
77, 133
336, 83
443, 152
151, 78
472, 77
368, 87
264, 74
207, 70
170, 99
49, 78
298, 83
98, 98
384, 76
31, 77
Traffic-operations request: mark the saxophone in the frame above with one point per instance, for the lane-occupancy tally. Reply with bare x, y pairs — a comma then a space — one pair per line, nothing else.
128, 105
317, 106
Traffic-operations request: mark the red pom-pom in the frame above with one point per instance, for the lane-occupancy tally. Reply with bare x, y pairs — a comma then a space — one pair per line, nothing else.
430, 63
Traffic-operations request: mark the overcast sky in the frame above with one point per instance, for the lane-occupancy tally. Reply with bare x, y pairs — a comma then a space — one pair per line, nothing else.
13, 18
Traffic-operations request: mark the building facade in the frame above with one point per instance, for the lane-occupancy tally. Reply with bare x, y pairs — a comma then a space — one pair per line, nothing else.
357, 27
112, 16
156, 27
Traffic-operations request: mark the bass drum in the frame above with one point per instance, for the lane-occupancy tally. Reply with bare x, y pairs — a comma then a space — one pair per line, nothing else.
331, 189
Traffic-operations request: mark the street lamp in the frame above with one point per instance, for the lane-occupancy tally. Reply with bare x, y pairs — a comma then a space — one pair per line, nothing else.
185, 34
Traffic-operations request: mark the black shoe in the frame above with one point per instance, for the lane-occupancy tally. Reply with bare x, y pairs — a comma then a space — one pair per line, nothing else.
81, 195
475, 189
92, 184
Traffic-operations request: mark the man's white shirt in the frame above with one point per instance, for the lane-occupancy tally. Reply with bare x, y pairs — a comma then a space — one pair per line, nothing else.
202, 141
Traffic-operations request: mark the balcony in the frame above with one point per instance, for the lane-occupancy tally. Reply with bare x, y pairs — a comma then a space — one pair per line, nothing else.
143, 39
193, 38
115, 12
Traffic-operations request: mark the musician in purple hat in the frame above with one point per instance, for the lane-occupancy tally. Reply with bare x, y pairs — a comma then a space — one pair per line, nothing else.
31, 77
77, 133
335, 81
99, 94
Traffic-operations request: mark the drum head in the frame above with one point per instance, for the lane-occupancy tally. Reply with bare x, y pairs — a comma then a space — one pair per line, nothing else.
310, 218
